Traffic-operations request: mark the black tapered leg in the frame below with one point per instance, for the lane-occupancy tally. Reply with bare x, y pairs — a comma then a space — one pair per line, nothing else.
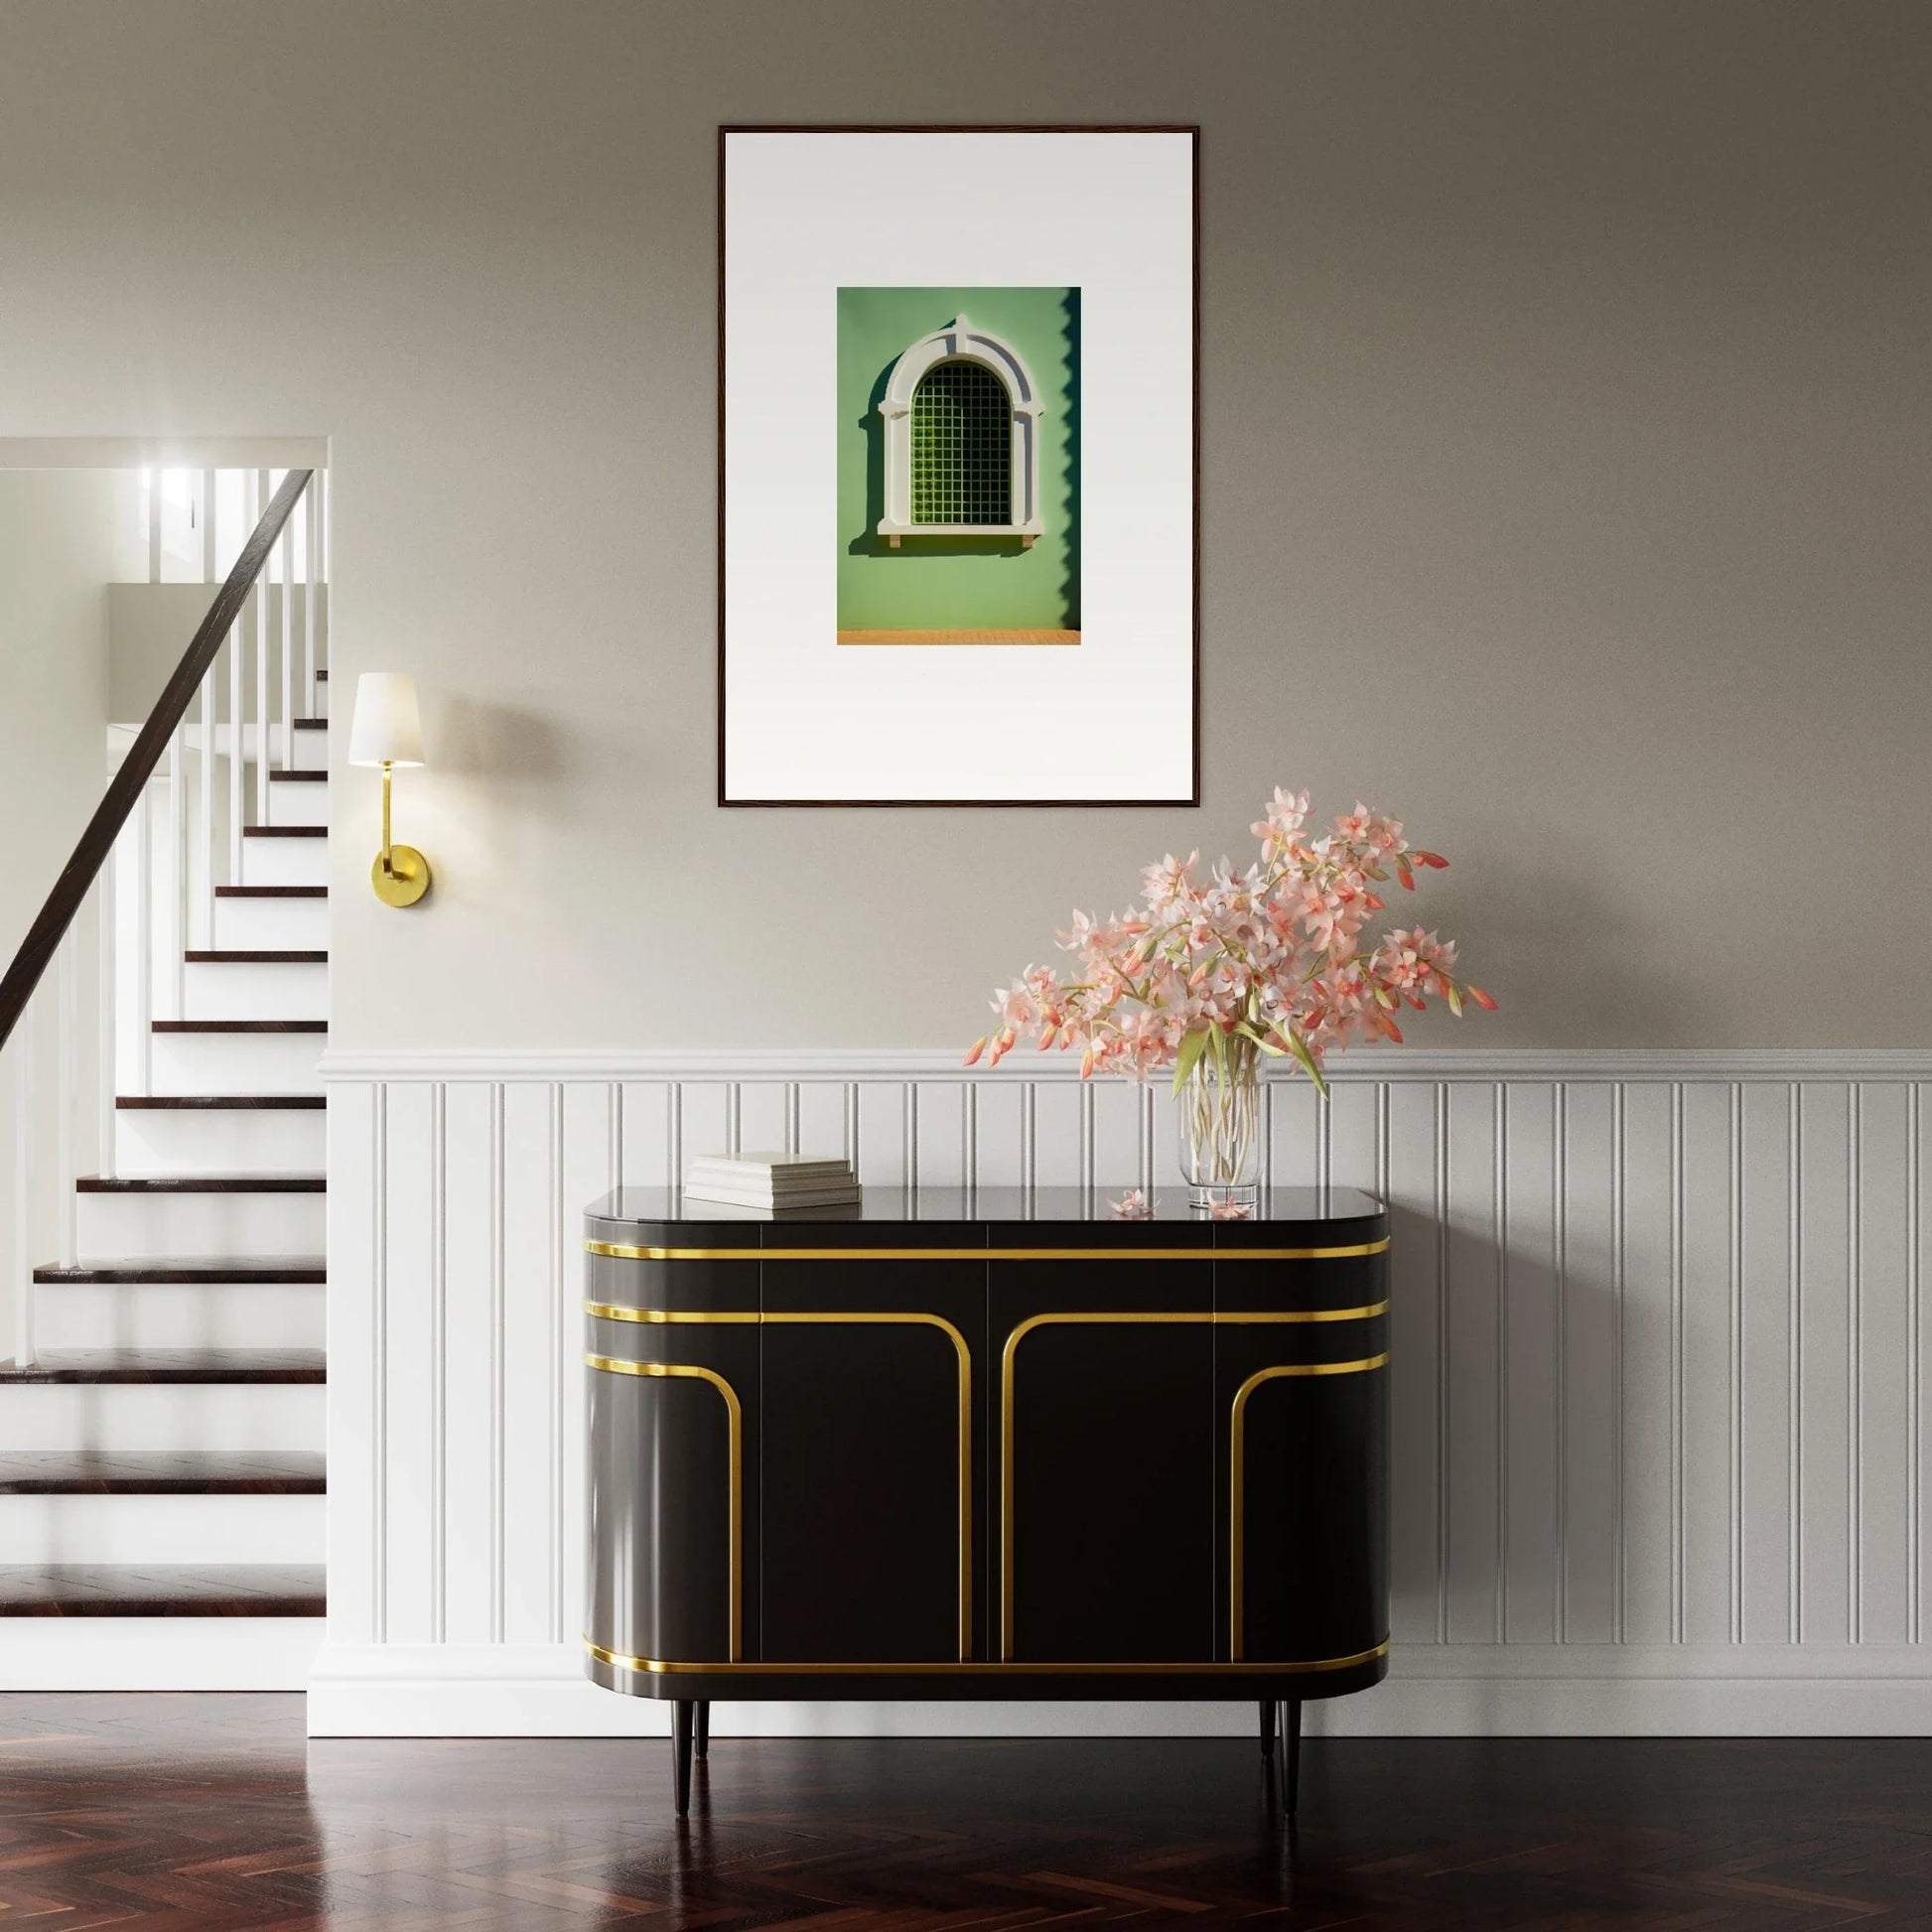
1268, 1728
1292, 1743
704, 1729
681, 1753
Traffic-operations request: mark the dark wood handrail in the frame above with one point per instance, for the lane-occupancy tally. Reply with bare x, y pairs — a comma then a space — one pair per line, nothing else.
71, 887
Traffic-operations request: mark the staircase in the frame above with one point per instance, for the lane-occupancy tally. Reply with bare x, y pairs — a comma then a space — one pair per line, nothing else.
162, 1425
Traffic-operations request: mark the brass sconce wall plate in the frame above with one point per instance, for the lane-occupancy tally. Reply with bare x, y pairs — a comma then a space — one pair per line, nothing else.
400, 875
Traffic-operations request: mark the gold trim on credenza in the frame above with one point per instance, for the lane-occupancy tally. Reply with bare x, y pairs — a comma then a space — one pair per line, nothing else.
657, 1667
618, 1251
1237, 1475
734, 1422
1212, 1317
622, 1312
615, 1312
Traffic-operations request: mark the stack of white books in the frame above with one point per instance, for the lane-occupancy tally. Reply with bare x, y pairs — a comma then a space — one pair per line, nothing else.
772, 1180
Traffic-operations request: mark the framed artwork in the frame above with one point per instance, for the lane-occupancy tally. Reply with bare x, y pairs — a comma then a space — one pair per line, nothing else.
958, 465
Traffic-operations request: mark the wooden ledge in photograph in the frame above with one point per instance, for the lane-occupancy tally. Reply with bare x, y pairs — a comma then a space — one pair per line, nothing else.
959, 637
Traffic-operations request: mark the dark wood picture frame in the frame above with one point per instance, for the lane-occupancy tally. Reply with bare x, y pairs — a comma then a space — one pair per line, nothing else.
1192, 801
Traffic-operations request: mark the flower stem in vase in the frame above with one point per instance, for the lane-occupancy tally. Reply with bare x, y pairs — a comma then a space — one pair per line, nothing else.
1220, 1122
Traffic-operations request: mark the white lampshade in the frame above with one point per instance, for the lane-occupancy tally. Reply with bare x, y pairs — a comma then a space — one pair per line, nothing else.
388, 728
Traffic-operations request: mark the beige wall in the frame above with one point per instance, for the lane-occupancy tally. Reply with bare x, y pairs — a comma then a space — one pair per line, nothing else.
1566, 474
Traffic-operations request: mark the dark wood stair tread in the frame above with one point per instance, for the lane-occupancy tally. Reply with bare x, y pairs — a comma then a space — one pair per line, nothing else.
285, 831
310, 723
240, 1026
188, 1270
172, 1365
252, 956
202, 1184
298, 777
163, 1590
268, 1103
271, 892
162, 1473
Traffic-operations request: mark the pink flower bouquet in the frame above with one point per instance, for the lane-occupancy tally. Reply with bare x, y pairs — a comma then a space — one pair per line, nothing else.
1207, 977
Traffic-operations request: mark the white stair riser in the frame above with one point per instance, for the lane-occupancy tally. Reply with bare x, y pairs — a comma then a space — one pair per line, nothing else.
272, 924
179, 1315
285, 861
164, 1415
219, 1140
162, 1528
297, 804
163, 1226
237, 1062
311, 751
256, 989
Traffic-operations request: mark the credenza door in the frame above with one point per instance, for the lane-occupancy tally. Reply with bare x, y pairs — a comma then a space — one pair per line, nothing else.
874, 1428
1301, 1393
672, 1354
1103, 1545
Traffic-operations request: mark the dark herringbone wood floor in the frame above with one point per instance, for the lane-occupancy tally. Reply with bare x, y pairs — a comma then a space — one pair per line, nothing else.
211, 1811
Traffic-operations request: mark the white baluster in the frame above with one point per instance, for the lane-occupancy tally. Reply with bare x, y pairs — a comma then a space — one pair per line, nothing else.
205, 774
287, 548
325, 564
66, 1094
23, 1269
210, 488
144, 944
155, 477
263, 488
237, 631
178, 873
311, 576
107, 1081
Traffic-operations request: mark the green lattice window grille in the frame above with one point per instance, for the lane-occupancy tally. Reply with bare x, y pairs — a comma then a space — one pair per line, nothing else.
962, 446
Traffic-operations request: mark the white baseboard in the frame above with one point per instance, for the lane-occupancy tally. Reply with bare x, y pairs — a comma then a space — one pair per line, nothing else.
1450, 1691
159, 1653
468, 1691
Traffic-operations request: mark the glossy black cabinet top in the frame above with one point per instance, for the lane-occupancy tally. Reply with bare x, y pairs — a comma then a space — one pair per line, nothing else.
1330, 1212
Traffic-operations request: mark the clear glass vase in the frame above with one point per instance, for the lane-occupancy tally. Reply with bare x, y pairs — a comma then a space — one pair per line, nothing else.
1220, 1138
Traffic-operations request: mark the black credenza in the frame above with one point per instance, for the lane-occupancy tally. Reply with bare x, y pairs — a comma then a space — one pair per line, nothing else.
998, 1446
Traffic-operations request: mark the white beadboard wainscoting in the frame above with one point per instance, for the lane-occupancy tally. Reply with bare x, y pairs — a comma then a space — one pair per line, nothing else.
1659, 1375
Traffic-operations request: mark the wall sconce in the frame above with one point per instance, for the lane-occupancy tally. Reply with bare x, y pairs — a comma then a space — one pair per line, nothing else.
388, 732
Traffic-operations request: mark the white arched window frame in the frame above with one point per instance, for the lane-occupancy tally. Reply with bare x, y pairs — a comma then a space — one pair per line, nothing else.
961, 340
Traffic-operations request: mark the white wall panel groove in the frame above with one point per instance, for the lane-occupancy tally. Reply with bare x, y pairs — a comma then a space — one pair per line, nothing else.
1658, 1343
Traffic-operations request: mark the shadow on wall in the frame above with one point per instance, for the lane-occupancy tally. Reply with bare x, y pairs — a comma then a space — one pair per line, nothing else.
504, 745
1488, 1547
494, 769
869, 543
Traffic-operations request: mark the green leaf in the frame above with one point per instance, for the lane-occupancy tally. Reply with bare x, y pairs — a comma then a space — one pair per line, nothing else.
1300, 1048
1185, 1060
1261, 1039
1456, 999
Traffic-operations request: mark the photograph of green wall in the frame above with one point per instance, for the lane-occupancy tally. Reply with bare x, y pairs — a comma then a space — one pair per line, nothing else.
959, 466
